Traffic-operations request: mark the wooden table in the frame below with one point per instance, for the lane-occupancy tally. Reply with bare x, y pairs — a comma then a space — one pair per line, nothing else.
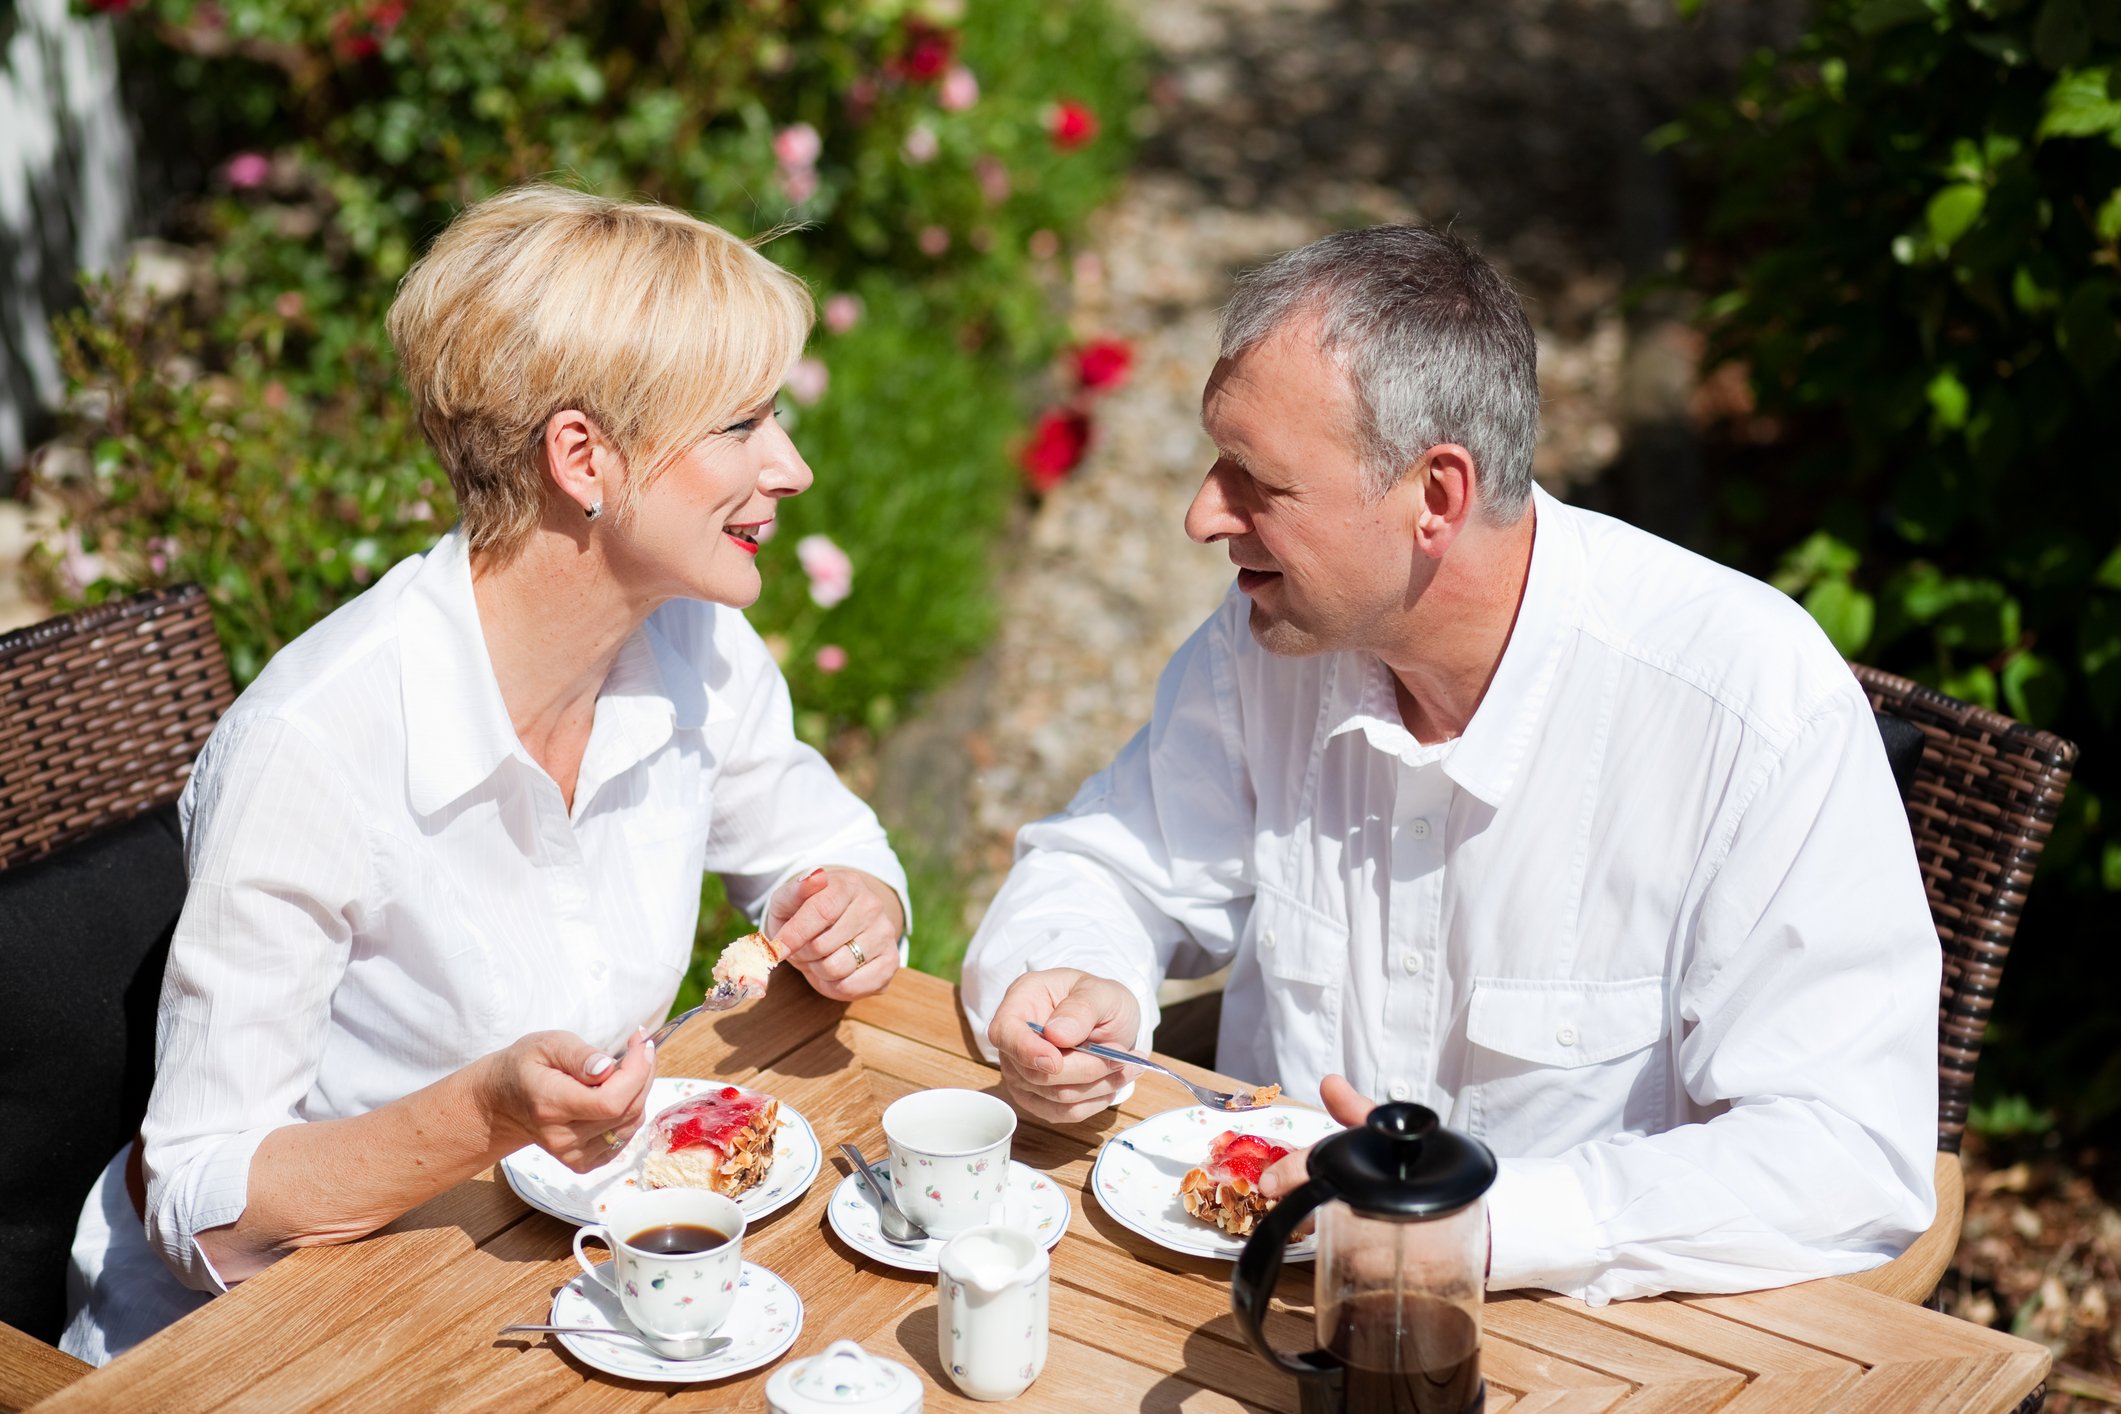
406, 1319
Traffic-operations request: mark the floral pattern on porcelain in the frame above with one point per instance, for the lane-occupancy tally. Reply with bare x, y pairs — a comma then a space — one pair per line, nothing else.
1030, 1201
551, 1187
1132, 1179
760, 1329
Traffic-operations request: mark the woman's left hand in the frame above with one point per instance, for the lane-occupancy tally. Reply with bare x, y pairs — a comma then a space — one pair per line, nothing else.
841, 929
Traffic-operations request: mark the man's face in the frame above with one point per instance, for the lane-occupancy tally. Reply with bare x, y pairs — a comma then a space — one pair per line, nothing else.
1326, 568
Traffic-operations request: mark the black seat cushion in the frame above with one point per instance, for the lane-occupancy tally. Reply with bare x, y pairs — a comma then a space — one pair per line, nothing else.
1903, 749
83, 937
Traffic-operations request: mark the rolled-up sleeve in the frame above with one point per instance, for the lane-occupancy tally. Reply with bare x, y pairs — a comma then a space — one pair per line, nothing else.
779, 808
1810, 1013
276, 853
1153, 852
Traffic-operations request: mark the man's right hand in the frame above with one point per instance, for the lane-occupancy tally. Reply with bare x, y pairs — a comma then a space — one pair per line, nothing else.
1042, 1075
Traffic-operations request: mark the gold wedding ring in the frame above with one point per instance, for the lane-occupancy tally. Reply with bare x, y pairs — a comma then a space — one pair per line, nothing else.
854, 946
611, 1137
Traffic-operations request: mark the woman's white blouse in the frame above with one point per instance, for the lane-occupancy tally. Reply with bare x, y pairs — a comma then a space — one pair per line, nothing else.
385, 886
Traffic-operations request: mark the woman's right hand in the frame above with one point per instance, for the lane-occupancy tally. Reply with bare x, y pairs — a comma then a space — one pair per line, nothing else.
555, 1090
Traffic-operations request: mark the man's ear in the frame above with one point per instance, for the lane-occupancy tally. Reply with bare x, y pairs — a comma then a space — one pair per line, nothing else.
1443, 479
579, 460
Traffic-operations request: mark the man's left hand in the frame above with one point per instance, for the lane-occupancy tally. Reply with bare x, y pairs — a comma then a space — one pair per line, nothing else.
840, 927
1347, 1105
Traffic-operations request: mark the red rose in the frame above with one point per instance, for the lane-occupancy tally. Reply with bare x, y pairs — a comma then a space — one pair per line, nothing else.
1103, 363
111, 7
1058, 440
928, 52
1071, 125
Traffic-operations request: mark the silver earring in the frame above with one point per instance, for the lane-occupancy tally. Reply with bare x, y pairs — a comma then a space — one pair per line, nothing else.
596, 508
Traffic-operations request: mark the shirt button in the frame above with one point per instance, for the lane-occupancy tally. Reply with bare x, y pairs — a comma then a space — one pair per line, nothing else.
1412, 962
1399, 1090
1266, 939
1419, 829
1566, 1035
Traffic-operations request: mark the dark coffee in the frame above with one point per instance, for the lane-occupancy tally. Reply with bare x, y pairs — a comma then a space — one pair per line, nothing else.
1423, 1358
677, 1239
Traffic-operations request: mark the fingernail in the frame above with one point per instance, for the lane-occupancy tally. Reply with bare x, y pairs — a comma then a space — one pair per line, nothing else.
598, 1064
651, 1053
813, 873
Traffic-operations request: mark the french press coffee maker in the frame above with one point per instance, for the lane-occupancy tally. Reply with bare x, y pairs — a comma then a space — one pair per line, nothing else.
1402, 1260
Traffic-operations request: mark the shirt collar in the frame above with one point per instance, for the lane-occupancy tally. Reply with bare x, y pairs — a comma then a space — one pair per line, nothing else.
458, 731
1483, 760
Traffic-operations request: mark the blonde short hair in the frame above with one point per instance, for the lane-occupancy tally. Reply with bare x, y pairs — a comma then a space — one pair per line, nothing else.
659, 326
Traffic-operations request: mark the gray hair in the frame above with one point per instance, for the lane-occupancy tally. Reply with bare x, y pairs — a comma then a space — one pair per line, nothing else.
1435, 345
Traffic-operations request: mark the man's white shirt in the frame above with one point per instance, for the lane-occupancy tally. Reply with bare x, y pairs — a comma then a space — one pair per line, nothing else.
1651, 927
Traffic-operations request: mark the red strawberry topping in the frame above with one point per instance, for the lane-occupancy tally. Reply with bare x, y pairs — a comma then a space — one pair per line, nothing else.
714, 1119
1233, 1155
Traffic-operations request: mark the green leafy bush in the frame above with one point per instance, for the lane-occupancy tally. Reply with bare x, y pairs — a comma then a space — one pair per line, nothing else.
1913, 251
248, 432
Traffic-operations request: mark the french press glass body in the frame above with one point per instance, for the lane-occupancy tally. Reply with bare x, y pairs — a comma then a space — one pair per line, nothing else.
1401, 1265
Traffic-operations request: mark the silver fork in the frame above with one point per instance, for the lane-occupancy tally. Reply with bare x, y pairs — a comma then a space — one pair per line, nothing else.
1235, 1101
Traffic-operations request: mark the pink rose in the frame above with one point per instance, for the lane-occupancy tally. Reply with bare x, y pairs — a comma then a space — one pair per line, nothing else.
959, 91
807, 380
797, 145
920, 145
842, 312
993, 178
1043, 244
831, 658
830, 572
934, 240
247, 169
800, 183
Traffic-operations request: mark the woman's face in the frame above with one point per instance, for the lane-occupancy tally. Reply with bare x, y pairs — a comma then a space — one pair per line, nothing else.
694, 531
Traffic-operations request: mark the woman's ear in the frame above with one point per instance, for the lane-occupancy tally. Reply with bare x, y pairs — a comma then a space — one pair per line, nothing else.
1443, 478
579, 461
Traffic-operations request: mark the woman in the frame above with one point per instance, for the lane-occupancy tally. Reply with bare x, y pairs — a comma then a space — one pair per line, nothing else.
445, 853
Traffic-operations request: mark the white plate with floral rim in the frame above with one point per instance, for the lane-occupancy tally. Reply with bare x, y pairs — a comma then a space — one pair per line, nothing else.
1032, 1202
765, 1321
1138, 1170
551, 1187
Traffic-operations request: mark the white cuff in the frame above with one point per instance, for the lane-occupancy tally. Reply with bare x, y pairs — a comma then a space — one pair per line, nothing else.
1541, 1228
213, 1190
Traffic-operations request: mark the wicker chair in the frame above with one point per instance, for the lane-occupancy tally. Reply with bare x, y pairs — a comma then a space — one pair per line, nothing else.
1981, 803
101, 714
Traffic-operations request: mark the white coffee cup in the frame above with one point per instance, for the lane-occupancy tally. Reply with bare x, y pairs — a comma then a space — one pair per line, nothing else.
991, 1310
674, 1299
949, 1157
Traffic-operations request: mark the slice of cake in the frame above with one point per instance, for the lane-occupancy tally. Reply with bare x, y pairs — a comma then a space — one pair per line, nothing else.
1253, 1098
1225, 1190
740, 972
721, 1141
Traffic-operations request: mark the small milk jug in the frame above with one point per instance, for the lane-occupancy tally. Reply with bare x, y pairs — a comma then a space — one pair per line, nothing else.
1402, 1261
991, 1310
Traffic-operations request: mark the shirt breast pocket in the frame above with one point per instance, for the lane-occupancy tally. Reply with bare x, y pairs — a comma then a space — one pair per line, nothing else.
1554, 1063
1303, 958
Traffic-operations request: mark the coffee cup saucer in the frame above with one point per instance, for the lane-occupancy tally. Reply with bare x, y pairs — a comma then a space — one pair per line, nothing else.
1030, 1201
764, 1323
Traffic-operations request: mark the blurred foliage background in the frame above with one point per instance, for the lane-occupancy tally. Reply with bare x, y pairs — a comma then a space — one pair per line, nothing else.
1904, 240
234, 416
1909, 253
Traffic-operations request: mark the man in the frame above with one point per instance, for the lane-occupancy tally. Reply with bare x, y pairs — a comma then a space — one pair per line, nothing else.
1499, 806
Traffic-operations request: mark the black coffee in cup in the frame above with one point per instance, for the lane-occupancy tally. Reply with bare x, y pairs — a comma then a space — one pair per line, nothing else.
677, 1239
1412, 1354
